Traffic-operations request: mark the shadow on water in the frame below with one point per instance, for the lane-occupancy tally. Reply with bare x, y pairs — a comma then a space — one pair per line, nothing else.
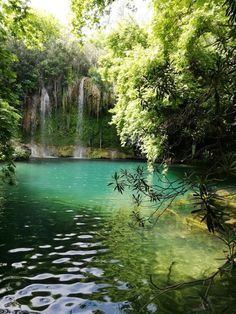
60, 257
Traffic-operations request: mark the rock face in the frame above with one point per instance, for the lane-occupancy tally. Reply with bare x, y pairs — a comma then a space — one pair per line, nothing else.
50, 151
70, 122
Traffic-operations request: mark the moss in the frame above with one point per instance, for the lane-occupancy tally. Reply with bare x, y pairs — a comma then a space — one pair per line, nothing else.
41, 150
97, 153
107, 153
65, 151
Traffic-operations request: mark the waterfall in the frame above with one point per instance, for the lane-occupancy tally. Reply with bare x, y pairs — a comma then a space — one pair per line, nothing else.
44, 110
78, 152
80, 107
44, 113
33, 116
39, 150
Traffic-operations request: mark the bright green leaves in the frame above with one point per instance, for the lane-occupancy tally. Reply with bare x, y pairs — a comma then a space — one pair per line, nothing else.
17, 23
40, 29
173, 84
134, 112
13, 15
8, 124
60, 62
126, 36
142, 85
87, 13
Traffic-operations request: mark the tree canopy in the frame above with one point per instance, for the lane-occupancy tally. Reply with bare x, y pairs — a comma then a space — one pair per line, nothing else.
175, 82
12, 16
22, 27
88, 13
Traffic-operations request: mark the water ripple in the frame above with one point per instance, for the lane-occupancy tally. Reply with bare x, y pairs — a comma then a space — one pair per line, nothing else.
18, 250
66, 259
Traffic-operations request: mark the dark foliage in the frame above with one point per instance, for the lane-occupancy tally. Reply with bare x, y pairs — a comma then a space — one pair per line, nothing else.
205, 200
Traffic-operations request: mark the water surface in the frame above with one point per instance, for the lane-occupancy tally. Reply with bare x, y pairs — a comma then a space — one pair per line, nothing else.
66, 246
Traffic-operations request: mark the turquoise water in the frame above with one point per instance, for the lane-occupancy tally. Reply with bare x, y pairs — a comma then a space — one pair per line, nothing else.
66, 246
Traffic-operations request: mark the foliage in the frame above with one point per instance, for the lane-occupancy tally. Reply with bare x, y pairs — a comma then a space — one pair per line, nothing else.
162, 194
206, 202
60, 61
125, 37
88, 12
227, 165
46, 28
12, 17
174, 84
22, 26
231, 10
208, 208
8, 124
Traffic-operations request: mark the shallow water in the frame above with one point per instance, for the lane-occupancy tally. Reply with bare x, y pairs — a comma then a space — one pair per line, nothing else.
66, 246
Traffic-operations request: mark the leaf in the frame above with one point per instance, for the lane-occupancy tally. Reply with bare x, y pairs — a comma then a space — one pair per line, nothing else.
196, 211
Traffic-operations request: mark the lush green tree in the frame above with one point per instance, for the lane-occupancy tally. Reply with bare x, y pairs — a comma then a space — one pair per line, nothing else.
175, 95
231, 10
18, 23
12, 16
56, 64
88, 12
59, 60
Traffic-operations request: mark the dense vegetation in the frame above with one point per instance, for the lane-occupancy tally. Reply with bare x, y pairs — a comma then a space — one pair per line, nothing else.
167, 88
44, 55
175, 81
13, 15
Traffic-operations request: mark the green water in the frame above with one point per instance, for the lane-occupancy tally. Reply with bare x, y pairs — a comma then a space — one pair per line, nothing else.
66, 246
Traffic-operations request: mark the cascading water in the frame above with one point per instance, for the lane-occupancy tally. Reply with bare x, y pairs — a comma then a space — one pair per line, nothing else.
80, 107
33, 117
44, 111
79, 150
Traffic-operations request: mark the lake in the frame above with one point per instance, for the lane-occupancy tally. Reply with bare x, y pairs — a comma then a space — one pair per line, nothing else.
68, 245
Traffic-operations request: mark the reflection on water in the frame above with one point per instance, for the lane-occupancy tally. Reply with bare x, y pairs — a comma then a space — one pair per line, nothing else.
60, 257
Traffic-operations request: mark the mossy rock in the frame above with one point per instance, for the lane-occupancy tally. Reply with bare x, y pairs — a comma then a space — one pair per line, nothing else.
97, 153
107, 153
64, 151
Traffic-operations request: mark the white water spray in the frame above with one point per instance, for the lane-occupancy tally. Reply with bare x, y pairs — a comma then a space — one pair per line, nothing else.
78, 153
